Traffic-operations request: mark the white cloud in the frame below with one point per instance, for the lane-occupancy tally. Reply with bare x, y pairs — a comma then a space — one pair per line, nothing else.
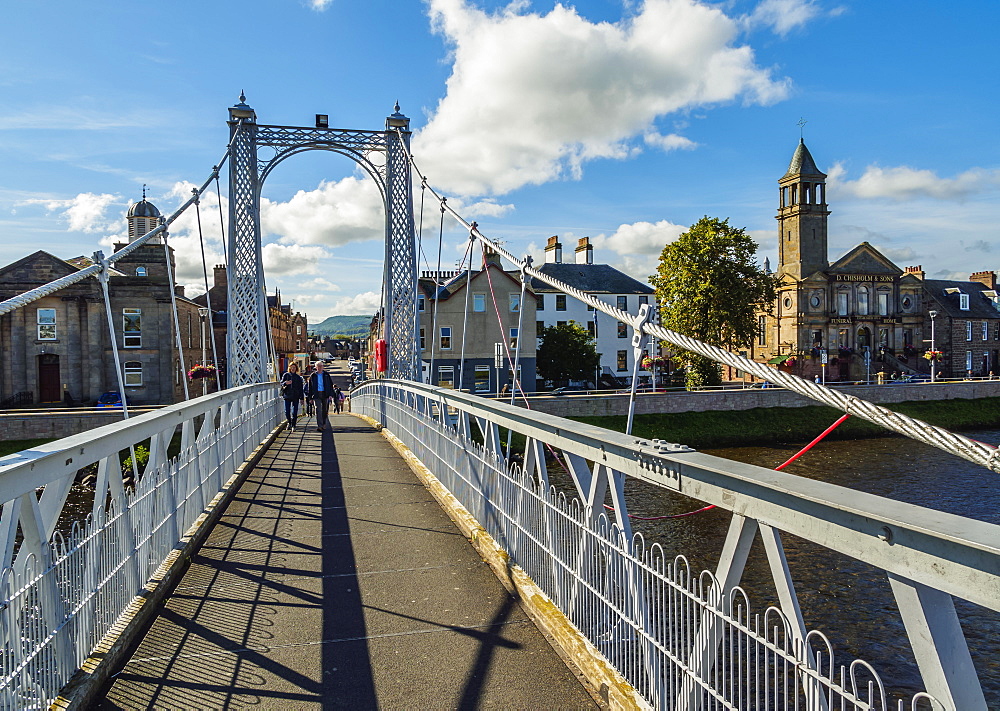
84, 213
905, 183
280, 259
319, 5
336, 213
783, 16
640, 238
319, 284
321, 307
533, 97
670, 142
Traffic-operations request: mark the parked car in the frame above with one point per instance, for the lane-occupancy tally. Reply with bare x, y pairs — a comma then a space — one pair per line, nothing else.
110, 399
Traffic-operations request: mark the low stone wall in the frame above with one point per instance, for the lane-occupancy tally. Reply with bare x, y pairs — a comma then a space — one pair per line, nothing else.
708, 400
58, 422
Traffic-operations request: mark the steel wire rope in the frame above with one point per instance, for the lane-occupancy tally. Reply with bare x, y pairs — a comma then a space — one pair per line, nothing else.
465, 313
177, 323
979, 453
208, 291
44, 290
437, 295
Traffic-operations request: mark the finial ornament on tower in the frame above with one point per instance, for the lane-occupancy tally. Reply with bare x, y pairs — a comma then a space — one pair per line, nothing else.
243, 97
396, 107
802, 125
143, 191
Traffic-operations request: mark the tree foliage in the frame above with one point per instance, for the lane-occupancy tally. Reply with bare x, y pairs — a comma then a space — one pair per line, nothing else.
710, 286
567, 352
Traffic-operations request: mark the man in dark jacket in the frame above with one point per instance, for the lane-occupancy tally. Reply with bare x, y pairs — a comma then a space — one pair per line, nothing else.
321, 391
291, 390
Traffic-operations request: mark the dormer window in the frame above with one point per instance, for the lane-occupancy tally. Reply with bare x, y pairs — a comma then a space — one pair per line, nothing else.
140, 271
963, 302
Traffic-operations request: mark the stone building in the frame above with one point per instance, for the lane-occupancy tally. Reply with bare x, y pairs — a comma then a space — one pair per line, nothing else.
58, 348
861, 312
441, 307
966, 324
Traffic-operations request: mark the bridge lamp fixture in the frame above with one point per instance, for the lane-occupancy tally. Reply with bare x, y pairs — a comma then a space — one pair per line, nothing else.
322, 121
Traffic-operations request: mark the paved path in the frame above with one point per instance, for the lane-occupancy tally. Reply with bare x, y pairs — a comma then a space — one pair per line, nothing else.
334, 580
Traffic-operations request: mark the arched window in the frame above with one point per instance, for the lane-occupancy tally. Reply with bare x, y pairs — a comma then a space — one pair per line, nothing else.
862, 301
140, 271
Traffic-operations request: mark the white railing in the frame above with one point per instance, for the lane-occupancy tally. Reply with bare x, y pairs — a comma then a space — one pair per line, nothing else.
685, 640
64, 583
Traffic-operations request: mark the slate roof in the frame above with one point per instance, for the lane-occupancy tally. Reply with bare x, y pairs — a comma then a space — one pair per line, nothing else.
591, 278
980, 306
802, 162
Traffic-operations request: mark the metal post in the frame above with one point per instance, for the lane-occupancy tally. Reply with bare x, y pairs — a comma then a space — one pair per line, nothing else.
933, 315
202, 313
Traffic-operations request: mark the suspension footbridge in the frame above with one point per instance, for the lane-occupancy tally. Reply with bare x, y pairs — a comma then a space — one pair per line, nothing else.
639, 625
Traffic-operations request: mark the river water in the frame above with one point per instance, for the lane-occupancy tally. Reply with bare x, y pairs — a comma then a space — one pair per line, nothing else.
849, 601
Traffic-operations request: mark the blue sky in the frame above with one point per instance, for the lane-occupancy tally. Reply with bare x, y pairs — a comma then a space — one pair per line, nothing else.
620, 120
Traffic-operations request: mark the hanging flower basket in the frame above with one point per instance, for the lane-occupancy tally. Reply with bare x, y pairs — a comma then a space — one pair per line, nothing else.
933, 356
201, 371
790, 362
648, 363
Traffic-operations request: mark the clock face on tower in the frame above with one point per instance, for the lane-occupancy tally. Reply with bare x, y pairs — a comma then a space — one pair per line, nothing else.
814, 301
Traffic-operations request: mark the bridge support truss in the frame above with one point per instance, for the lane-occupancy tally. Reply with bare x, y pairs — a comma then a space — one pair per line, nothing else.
256, 150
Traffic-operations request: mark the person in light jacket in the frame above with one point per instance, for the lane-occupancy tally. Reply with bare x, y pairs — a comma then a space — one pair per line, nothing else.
321, 391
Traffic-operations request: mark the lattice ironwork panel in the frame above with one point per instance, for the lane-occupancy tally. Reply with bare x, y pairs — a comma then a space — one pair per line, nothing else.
246, 339
401, 264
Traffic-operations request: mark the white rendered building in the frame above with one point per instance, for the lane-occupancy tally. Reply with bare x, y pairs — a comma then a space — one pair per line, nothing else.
614, 338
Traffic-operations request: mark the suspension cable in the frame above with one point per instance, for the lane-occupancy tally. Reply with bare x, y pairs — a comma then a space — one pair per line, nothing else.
208, 293
979, 453
465, 314
177, 323
94, 269
437, 291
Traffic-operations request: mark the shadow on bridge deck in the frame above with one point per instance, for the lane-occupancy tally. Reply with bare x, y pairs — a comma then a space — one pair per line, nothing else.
334, 580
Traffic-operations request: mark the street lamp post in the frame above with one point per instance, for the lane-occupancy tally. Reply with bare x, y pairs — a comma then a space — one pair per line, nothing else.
933, 315
202, 313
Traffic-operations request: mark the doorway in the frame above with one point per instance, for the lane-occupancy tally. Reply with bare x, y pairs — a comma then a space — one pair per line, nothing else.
864, 338
48, 378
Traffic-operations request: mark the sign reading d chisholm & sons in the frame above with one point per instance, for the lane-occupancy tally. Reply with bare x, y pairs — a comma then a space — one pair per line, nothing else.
864, 277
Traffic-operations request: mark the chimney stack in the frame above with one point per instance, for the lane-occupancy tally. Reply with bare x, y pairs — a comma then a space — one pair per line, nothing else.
917, 271
221, 278
553, 251
491, 257
987, 278
584, 251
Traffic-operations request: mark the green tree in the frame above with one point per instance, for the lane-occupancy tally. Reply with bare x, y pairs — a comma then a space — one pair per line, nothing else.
710, 287
567, 352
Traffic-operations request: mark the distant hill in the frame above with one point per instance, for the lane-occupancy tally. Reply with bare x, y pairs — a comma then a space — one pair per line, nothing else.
348, 325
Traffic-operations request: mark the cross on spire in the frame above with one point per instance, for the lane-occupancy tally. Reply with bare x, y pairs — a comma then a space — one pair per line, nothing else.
801, 124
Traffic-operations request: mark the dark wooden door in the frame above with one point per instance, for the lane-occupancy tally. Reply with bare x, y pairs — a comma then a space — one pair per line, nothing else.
48, 378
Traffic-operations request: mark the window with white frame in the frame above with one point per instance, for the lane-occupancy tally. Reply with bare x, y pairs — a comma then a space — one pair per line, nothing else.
761, 330
842, 303
446, 376
445, 338
622, 303
862, 301
298, 330
140, 271
883, 303
963, 302
968, 360
968, 330
622, 361
482, 379
46, 324
479, 303
421, 303
132, 327
986, 330
622, 329
133, 373
644, 299
515, 303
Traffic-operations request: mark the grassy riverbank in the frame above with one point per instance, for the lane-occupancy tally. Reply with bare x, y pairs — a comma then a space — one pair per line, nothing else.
772, 425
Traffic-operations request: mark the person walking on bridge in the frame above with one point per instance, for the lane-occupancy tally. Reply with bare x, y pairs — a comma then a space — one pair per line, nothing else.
291, 391
321, 391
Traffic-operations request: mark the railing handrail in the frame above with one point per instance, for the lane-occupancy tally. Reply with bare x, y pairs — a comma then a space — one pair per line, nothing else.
954, 554
29, 469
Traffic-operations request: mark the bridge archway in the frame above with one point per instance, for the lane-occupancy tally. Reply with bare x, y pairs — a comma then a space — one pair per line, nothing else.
256, 149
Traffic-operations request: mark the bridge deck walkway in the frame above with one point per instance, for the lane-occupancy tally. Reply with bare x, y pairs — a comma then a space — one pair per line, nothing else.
334, 580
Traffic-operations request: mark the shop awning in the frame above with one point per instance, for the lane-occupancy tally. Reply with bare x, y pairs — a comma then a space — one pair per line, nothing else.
779, 359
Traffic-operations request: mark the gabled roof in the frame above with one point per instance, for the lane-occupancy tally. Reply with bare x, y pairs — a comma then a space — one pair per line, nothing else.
864, 259
980, 306
58, 268
590, 278
455, 285
802, 163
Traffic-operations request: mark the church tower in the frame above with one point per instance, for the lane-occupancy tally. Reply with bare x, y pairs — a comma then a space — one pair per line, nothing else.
802, 217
